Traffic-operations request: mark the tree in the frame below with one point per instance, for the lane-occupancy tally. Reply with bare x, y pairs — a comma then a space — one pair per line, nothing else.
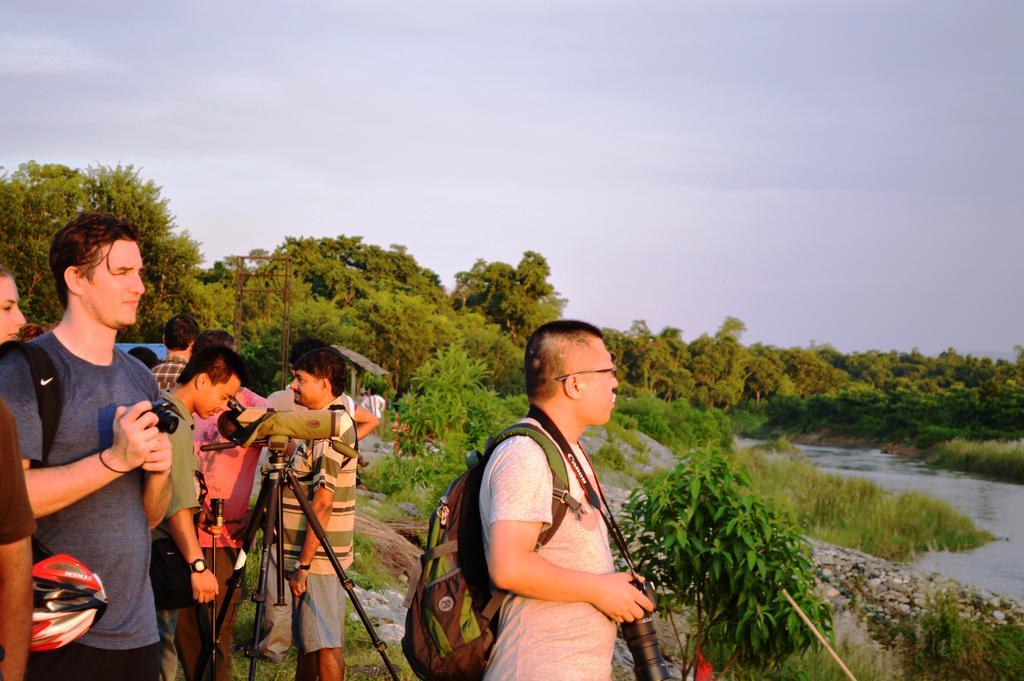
399, 331
719, 366
37, 200
518, 299
720, 552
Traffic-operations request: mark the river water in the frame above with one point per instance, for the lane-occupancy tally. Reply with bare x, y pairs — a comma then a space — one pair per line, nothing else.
995, 506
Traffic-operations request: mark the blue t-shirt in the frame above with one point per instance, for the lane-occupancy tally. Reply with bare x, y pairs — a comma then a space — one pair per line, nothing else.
107, 530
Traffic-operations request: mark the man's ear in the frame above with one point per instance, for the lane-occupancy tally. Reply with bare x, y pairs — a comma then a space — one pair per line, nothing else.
202, 381
73, 280
571, 387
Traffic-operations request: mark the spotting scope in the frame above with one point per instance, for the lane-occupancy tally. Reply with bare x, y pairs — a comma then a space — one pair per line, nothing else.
243, 426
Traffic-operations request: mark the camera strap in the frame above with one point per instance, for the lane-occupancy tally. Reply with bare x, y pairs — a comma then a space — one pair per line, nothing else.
596, 497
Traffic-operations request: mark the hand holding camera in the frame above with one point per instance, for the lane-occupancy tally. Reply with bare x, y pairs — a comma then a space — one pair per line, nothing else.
138, 441
620, 599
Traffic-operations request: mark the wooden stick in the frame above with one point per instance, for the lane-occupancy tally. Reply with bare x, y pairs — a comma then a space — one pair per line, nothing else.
818, 634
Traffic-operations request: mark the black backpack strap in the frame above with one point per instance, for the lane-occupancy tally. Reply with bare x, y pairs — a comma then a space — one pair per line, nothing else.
49, 396
561, 500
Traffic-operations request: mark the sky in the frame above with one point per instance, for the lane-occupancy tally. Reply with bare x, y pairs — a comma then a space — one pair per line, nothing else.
844, 172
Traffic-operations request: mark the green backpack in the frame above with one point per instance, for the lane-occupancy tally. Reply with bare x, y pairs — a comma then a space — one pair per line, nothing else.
452, 620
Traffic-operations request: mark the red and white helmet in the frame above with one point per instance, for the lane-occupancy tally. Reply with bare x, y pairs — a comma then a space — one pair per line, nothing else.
67, 599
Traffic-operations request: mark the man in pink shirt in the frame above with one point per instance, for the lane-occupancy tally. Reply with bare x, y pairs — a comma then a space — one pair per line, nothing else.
229, 475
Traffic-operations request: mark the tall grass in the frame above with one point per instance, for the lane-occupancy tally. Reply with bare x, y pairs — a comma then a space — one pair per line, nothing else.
1000, 459
817, 665
948, 645
859, 514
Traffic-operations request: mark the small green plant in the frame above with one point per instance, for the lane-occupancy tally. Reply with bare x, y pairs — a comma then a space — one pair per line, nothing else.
948, 644
715, 548
610, 457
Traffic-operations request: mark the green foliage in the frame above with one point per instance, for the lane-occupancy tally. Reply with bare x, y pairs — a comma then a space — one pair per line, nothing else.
677, 424
865, 662
947, 644
37, 200
1003, 460
518, 299
448, 413
609, 457
857, 513
714, 547
905, 414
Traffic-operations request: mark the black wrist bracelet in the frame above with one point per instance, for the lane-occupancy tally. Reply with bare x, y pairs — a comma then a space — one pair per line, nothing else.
109, 467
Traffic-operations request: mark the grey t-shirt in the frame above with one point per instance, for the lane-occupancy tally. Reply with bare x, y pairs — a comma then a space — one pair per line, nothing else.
107, 530
569, 641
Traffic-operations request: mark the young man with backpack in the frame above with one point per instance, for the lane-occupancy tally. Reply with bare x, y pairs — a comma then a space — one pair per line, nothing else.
565, 598
211, 377
107, 478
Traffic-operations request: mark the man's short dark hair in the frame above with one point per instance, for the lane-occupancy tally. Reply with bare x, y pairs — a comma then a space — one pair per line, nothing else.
302, 346
544, 358
84, 243
324, 363
180, 331
217, 362
214, 337
144, 355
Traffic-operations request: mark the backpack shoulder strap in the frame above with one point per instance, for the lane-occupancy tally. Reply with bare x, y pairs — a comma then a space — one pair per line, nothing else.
561, 500
49, 396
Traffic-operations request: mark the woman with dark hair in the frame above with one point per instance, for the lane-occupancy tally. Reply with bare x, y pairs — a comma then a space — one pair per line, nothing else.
11, 319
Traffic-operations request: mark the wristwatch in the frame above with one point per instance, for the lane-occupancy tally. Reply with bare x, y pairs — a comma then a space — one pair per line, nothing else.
198, 565
301, 566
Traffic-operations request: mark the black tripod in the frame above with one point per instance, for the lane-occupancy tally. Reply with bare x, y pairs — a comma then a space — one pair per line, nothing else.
269, 514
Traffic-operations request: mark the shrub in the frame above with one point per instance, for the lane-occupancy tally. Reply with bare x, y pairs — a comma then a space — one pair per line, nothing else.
677, 424
715, 548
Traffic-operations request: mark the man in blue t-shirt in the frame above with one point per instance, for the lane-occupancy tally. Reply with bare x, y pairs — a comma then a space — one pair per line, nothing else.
107, 476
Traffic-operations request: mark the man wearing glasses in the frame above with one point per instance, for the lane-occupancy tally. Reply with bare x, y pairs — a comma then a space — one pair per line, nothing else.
565, 598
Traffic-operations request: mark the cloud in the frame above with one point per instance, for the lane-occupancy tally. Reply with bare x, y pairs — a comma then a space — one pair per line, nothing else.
30, 55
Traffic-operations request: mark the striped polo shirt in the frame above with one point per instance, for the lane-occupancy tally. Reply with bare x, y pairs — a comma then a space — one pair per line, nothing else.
316, 464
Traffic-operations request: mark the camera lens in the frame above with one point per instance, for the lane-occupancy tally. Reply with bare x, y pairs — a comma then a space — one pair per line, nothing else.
642, 640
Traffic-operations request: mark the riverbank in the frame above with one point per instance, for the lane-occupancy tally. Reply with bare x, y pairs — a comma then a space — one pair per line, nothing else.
856, 513
1000, 459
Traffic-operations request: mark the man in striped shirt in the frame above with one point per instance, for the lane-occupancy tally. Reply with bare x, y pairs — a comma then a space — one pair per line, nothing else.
328, 480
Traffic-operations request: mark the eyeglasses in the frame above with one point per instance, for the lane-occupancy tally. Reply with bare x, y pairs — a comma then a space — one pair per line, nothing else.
609, 370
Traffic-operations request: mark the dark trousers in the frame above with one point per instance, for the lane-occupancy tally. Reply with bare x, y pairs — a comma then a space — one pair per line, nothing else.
76, 662
194, 623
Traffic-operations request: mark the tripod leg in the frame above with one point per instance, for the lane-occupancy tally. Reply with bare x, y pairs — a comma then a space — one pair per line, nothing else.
269, 532
248, 538
213, 617
346, 582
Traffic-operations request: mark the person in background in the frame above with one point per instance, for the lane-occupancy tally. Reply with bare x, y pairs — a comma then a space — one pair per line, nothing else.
180, 332
277, 620
11, 318
16, 528
328, 482
284, 400
211, 378
229, 475
145, 355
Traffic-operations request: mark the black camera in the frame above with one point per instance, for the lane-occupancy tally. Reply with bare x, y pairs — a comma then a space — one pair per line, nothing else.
166, 416
642, 641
